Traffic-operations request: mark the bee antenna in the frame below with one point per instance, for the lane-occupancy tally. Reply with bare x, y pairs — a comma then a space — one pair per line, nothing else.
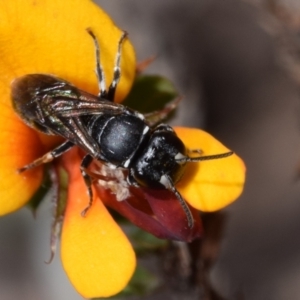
170, 186
200, 158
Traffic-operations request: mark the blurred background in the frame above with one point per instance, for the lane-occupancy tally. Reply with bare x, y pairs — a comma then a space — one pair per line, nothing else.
237, 64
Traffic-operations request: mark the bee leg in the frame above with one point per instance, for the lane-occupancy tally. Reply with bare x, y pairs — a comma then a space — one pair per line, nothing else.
99, 69
117, 69
169, 185
48, 157
87, 180
156, 117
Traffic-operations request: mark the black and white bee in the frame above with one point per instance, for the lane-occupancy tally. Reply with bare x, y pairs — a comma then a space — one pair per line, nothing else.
108, 132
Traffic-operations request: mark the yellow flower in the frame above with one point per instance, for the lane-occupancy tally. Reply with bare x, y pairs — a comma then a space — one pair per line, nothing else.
49, 36
210, 185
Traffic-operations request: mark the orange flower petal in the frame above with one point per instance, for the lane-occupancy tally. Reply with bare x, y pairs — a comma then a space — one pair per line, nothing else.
213, 184
95, 253
49, 36
19, 145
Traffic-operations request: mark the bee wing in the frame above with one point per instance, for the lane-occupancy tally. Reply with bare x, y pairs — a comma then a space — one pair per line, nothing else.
55, 106
83, 106
57, 97
79, 135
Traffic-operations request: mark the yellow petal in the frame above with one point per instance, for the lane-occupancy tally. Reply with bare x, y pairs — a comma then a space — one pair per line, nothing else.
95, 253
19, 145
213, 184
49, 36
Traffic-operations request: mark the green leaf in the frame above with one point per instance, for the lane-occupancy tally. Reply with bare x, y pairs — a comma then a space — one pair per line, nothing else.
143, 282
144, 242
150, 93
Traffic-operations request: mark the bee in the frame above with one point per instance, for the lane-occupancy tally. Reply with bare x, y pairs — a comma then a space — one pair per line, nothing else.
111, 133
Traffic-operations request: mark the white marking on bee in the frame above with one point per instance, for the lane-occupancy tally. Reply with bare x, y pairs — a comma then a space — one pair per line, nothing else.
146, 129
118, 186
127, 163
180, 158
140, 116
165, 182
